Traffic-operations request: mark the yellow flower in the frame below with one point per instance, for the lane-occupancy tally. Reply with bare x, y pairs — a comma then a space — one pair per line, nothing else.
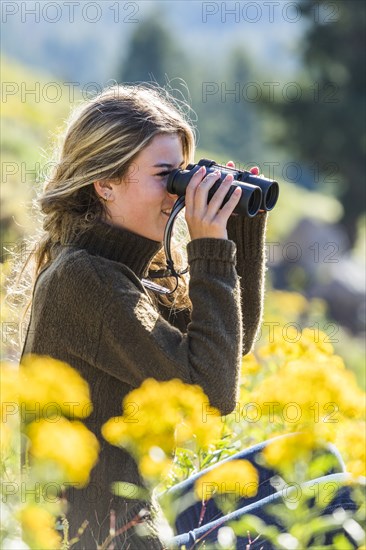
291, 343
313, 393
286, 305
163, 415
284, 452
154, 414
155, 464
238, 478
250, 364
351, 442
70, 445
249, 368
38, 528
51, 388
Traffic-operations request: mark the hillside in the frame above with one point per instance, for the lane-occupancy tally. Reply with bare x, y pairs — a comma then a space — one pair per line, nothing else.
88, 45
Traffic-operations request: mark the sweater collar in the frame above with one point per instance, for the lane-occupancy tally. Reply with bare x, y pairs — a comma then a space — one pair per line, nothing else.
120, 245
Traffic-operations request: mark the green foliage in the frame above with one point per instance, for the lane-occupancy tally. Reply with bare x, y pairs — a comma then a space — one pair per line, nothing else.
229, 124
326, 125
152, 55
26, 124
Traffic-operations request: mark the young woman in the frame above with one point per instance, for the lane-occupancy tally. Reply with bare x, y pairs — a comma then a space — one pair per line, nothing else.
105, 209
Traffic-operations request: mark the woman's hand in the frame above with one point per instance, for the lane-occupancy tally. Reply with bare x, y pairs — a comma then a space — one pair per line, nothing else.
209, 220
254, 171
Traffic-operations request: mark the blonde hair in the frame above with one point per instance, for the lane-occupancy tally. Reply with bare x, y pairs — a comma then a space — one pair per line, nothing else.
101, 140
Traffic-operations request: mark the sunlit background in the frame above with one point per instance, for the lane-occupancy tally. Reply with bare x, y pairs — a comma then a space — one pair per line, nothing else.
275, 84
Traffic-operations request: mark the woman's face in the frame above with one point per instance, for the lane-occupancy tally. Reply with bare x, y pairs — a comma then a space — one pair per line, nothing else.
141, 202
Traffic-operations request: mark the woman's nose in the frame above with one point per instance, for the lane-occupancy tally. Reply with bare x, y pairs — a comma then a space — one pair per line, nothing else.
172, 196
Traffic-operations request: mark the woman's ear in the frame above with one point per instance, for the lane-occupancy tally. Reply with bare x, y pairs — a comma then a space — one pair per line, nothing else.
103, 189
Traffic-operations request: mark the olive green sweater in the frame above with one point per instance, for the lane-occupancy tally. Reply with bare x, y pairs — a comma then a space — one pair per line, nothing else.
90, 309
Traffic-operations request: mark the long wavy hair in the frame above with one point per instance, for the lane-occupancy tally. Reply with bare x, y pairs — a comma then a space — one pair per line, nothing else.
101, 140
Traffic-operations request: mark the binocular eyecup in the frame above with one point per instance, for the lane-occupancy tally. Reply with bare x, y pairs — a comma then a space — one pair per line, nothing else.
258, 193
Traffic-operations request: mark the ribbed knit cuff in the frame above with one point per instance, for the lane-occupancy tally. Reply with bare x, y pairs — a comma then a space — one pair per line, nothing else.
214, 256
248, 234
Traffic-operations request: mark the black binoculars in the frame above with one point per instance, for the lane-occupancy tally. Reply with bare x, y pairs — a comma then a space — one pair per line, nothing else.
258, 193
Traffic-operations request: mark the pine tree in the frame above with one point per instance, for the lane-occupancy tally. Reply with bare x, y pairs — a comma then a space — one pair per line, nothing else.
152, 55
326, 126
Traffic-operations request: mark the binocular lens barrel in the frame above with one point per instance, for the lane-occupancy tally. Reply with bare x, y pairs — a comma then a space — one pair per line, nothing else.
270, 188
257, 192
272, 196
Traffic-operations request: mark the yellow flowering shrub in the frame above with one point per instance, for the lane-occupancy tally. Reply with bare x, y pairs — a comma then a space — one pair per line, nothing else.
304, 389
311, 393
291, 344
249, 367
159, 416
292, 383
286, 306
36, 397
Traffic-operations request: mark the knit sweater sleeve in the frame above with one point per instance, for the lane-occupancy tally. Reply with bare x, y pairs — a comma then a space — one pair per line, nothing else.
136, 342
249, 237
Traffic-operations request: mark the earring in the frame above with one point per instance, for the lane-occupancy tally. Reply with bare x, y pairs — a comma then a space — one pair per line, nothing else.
105, 198
89, 216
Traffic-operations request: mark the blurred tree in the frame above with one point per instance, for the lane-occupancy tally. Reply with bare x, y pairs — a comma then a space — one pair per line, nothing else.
228, 120
239, 133
24, 128
152, 54
325, 127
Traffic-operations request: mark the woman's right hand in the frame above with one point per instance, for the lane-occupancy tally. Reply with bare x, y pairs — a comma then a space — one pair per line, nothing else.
209, 220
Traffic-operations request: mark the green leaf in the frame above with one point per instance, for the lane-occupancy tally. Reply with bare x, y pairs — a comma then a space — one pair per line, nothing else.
340, 542
129, 490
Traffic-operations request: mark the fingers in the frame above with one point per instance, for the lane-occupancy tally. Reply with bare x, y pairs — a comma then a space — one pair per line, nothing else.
224, 214
201, 197
198, 190
208, 219
191, 189
216, 201
254, 170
